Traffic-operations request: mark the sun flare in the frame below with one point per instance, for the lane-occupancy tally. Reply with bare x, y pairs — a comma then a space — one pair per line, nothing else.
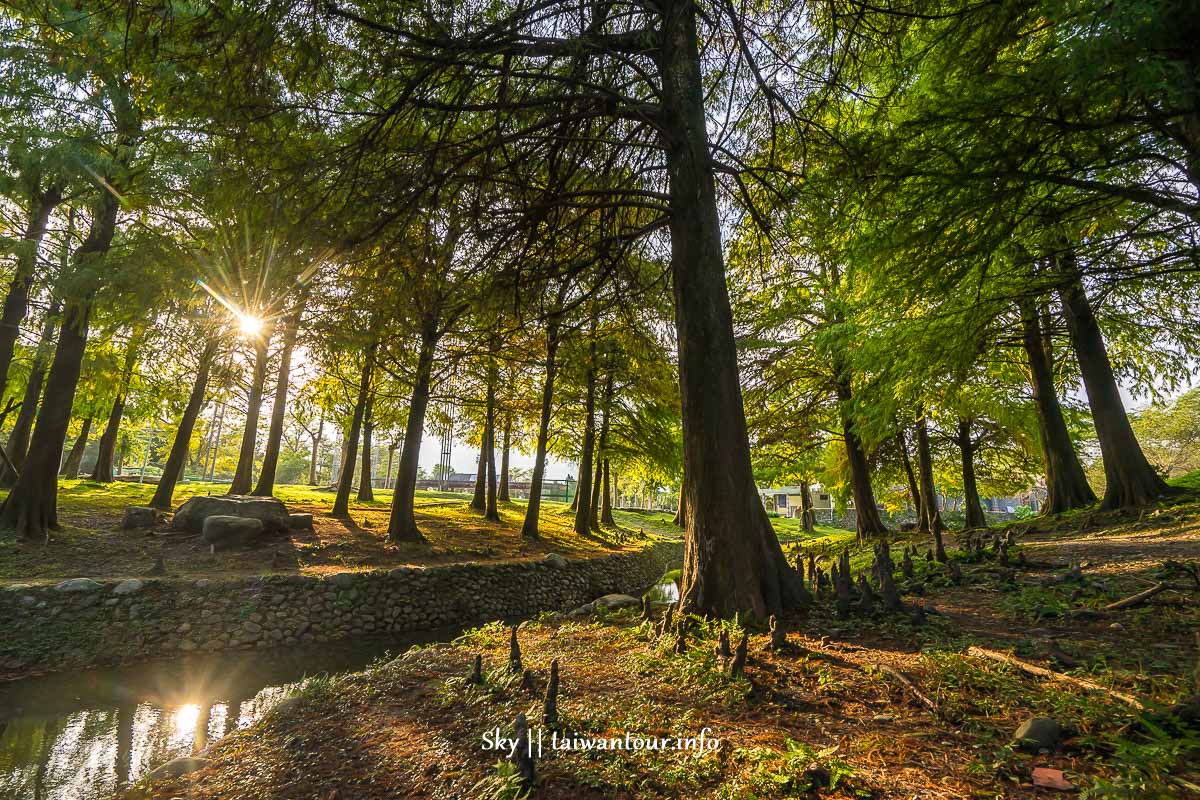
250, 325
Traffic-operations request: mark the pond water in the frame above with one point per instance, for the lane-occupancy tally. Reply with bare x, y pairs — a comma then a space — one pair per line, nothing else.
83, 735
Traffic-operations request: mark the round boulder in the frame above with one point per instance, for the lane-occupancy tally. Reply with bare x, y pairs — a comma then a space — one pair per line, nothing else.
226, 531
1038, 733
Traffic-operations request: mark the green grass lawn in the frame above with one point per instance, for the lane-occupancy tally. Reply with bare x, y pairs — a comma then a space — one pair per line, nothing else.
91, 544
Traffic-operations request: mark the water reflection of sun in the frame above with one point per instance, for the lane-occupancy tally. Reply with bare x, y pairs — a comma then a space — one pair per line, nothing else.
185, 719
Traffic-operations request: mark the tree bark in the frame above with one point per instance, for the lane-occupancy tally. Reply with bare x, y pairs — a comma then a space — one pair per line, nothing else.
16, 302
733, 561
807, 523
316, 449
529, 529
493, 511
925, 467
583, 497
70, 467
266, 478
601, 453
1066, 483
31, 508
502, 492
173, 468
966, 445
18, 439
479, 499
341, 504
914, 490
366, 492
606, 515
105, 453
243, 474
866, 512
680, 519
402, 526
1129, 478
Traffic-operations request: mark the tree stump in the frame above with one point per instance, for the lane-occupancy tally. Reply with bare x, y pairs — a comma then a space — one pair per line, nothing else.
528, 683
955, 571
841, 585
737, 667
723, 651
681, 636
550, 703
887, 583
906, 566
522, 755
514, 651
866, 596
778, 636
477, 670
929, 554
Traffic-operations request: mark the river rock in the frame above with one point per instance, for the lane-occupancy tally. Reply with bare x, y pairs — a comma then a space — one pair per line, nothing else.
228, 531
555, 560
139, 517
130, 586
271, 512
611, 601
78, 585
176, 767
1038, 733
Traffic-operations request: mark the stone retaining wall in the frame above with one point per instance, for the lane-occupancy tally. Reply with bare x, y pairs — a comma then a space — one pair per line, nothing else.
82, 622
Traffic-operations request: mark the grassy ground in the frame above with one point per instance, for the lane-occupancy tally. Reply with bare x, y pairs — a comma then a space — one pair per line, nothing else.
90, 543
819, 718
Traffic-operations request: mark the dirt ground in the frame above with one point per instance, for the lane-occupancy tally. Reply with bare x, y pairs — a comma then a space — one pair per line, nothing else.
869, 706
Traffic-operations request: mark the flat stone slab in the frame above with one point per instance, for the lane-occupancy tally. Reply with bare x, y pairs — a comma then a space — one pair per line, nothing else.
617, 601
271, 512
78, 585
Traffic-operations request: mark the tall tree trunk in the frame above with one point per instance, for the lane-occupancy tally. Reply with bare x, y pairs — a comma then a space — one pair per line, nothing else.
601, 452
402, 526
266, 478
493, 510
606, 515
16, 302
366, 492
583, 511
387, 476
70, 467
914, 490
1130, 480
316, 450
866, 512
681, 504
18, 439
928, 491
966, 446
807, 524
341, 504
31, 508
732, 561
479, 499
173, 468
529, 529
243, 474
106, 452
1066, 483
502, 492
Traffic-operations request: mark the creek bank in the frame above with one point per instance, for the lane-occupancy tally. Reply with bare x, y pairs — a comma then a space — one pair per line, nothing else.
83, 622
